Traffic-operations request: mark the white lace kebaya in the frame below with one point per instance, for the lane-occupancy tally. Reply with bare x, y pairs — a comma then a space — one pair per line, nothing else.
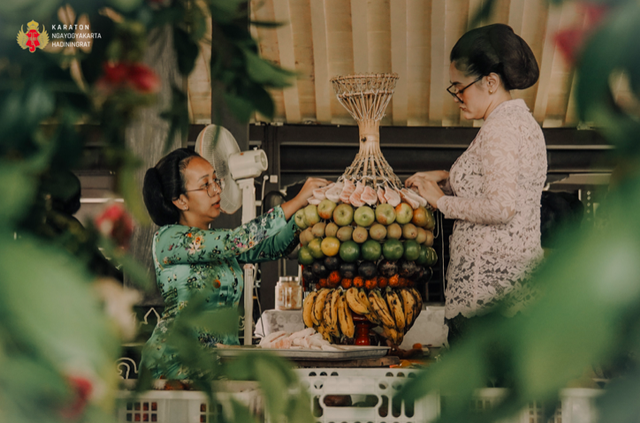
495, 188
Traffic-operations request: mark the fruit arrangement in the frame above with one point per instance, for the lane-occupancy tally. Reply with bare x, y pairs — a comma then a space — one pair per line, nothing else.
330, 311
366, 239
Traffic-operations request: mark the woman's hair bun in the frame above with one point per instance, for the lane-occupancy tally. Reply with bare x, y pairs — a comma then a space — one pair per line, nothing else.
162, 212
164, 183
496, 48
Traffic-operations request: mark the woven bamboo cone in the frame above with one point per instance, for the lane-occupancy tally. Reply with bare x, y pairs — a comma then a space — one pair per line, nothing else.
366, 97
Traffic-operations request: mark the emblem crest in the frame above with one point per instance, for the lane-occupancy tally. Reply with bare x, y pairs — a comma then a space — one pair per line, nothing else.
33, 38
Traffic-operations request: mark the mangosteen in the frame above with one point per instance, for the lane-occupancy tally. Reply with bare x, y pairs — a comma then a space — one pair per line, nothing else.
348, 270
407, 268
368, 270
332, 263
388, 268
308, 276
319, 269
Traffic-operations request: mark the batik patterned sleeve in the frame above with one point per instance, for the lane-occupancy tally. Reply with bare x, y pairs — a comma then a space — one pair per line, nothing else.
178, 244
275, 247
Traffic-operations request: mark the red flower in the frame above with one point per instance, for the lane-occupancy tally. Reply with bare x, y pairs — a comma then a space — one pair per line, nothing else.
572, 40
136, 76
115, 223
81, 388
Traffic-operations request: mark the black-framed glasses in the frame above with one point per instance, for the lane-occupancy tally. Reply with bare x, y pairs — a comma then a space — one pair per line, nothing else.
460, 91
212, 188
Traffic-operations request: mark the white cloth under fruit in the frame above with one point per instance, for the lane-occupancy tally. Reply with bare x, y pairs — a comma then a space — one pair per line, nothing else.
496, 185
279, 320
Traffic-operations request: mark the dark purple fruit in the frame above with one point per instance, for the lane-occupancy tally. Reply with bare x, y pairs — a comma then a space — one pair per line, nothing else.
308, 276
407, 268
388, 268
319, 269
348, 270
367, 270
332, 263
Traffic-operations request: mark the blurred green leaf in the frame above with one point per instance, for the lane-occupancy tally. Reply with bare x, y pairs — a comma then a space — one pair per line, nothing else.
130, 190
273, 384
187, 50
177, 116
17, 191
125, 5
264, 73
240, 412
242, 108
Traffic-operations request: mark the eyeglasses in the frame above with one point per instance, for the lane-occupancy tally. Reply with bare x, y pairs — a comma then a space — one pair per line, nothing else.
211, 188
455, 93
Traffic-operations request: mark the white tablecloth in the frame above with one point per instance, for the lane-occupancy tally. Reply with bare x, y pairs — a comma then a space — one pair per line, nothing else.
277, 320
429, 329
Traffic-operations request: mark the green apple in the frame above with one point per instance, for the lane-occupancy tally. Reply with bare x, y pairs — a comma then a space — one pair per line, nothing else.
331, 229
325, 209
343, 214
385, 214
377, 231
364, 216
311, 215
404, 213
300, 220
394, 231
344, 233
315, 246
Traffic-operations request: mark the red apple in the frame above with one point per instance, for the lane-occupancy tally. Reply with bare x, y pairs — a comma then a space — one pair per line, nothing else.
385, 214
325, 209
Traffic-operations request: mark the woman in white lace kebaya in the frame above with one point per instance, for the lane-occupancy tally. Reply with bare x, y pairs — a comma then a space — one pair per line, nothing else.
493, 190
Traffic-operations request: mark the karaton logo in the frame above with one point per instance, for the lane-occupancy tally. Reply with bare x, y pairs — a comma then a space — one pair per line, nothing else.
33, 38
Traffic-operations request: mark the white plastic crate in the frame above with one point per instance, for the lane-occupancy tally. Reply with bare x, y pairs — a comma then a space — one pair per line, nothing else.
575, 406
366, 396
183, 406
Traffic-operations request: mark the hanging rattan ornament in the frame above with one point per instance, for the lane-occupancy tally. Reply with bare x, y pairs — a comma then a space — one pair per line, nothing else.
366, 97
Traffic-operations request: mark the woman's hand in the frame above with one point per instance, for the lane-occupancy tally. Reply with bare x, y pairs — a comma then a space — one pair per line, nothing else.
300, 200
434, 175
429, 190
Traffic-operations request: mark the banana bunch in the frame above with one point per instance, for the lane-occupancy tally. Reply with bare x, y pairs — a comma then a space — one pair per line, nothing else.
329, 311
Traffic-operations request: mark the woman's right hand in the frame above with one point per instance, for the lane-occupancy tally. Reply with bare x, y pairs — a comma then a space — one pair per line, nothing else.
306, 192
433, 175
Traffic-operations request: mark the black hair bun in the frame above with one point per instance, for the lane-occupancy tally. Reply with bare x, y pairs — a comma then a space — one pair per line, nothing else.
162, 211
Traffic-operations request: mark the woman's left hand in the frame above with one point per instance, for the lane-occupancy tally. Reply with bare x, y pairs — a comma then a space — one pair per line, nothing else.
429, 190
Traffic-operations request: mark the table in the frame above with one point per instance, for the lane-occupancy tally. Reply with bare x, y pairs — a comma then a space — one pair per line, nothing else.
429, 328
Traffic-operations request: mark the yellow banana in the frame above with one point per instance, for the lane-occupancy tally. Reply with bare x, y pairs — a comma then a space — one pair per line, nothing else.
418, 306
408, 305
326, 310
318, 306
352, 300
345, 319
325, 332
380, 307
371, 316
390, 334
333, 322
307, 309
395, 307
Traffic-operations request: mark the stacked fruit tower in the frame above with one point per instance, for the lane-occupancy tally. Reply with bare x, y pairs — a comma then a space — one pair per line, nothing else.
366, 240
